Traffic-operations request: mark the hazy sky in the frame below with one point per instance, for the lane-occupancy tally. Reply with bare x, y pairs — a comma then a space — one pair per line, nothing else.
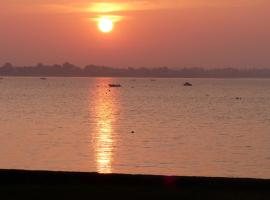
150, 33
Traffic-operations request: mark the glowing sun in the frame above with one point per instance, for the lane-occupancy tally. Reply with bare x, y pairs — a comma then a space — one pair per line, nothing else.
105, 25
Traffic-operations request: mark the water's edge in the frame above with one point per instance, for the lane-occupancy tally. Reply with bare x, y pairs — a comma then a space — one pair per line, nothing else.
69, 185
42, 177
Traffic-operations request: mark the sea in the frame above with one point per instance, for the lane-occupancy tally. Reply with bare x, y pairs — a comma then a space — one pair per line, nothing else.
216, 127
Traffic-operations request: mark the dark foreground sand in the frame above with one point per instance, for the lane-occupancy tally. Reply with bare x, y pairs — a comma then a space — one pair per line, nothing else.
18, 184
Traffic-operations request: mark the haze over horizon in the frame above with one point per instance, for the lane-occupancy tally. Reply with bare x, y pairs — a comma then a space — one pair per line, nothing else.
174, 33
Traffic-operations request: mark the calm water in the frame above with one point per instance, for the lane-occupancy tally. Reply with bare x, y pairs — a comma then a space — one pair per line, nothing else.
78, 124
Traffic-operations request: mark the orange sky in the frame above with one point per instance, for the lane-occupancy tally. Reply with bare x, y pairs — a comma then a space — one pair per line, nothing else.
150, 33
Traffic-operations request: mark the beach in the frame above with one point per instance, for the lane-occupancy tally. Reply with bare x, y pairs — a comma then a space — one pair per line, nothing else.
16, 184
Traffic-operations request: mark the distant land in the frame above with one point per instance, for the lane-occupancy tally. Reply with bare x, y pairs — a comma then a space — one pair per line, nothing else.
70, 70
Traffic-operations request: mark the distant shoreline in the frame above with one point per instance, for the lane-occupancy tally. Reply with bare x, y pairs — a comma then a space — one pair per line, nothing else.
137, 77
76, 184
70, 70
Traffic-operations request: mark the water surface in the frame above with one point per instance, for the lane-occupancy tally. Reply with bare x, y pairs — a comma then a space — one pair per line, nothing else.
217, 127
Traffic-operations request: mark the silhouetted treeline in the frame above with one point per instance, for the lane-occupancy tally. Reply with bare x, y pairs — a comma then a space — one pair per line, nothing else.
68, 69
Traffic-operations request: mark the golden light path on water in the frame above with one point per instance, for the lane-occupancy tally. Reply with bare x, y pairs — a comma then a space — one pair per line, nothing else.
103, 137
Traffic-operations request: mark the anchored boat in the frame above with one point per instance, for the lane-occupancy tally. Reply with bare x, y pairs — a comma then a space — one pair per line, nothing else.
115, 85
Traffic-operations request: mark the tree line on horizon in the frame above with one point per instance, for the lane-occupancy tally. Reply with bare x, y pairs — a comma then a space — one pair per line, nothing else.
68, 69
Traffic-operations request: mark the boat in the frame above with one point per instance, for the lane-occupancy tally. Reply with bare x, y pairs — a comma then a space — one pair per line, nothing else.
115, 85
187, 84
43, 78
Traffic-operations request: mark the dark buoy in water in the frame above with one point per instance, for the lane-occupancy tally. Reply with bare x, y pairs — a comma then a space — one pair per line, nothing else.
187, 84
132, 131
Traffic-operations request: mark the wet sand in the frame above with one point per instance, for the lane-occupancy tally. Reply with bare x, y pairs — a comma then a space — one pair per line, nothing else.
15, 184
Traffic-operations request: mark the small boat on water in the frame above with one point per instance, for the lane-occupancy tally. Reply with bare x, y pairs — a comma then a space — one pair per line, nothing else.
115, 85
187, 84
43, 78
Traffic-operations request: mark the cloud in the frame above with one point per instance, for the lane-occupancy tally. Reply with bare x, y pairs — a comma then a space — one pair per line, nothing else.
110, 6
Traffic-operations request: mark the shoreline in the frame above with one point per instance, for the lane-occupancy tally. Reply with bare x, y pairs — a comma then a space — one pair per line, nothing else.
75, 184
136, 77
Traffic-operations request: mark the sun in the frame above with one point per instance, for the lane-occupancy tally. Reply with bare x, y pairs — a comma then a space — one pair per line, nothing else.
105, 25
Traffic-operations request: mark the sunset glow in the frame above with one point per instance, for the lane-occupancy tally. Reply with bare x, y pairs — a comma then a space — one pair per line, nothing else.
145, 98
124, 32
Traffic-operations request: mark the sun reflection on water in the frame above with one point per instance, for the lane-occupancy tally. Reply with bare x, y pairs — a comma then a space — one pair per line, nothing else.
104, 140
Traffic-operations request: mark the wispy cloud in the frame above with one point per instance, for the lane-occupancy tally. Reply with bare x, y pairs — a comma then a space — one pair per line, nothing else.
110, 6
